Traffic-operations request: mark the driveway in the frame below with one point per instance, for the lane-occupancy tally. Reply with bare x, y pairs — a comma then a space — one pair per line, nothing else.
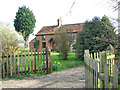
70, 78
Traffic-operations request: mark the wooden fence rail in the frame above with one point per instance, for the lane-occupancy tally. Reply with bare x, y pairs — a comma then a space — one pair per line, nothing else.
100, 70
26, 62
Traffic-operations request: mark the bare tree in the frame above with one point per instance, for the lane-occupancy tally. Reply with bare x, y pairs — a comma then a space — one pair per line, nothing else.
63, 40
115, 4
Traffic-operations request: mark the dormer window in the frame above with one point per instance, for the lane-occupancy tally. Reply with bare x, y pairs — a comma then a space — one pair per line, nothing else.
43, 37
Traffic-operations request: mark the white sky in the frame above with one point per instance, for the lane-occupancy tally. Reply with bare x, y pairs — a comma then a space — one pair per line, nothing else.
48, 11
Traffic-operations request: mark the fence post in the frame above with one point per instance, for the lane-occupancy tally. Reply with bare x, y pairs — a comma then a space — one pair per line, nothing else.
94, 79
31, 61
96, 75
48, 61
86, 53
14, 64
91, 72
10, 63
106, 76
41, 60
102, 63
25, 63
38, 60
35, 60
28, 62
3, 72
85, 70
119, 69
18, 63
7, 65
21, 64
115, 76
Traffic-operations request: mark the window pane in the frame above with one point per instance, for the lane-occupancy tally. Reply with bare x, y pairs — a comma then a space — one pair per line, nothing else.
43, 37
43, 44
71, 35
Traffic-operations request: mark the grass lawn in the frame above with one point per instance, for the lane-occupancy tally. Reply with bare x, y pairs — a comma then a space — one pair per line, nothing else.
72, 62
24, 49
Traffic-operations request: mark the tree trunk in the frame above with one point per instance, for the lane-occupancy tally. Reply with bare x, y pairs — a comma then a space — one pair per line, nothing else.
118, 26
65, 57
26, 44
119, 42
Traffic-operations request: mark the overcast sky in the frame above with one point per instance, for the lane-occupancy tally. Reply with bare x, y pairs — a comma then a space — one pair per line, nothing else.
48, 11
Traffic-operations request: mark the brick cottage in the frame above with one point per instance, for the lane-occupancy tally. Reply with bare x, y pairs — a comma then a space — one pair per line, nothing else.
45, 36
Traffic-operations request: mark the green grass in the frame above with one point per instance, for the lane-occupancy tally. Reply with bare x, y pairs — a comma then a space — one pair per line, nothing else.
15, 77
24, 49
72, 62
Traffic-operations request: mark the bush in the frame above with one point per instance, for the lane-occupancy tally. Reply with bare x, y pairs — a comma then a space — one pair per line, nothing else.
11, 50
96, 36
56, 66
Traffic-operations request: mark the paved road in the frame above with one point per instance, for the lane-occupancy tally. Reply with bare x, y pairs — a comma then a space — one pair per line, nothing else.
71, 78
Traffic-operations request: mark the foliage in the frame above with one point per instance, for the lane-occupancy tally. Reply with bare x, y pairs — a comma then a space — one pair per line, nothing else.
12, 50
66, 64
24, 49
56, 65
117, 54
36, 44
96, 36
9, 38
74, 47
63, 40
24, 22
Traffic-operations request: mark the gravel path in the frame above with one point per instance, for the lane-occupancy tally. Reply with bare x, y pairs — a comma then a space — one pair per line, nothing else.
71, 78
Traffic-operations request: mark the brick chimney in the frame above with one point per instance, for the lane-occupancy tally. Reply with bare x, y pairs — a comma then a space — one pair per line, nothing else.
59, 22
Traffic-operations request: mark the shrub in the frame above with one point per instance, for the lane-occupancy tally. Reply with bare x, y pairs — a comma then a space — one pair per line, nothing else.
56, 66
96, 36
11, 50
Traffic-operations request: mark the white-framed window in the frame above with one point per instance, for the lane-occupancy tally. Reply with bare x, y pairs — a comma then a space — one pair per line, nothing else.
43, 37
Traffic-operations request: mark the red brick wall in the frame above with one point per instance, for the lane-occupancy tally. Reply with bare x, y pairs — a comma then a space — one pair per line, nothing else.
48, 37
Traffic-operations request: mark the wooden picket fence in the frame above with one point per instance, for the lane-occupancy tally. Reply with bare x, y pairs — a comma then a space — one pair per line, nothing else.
26, 63
101, 70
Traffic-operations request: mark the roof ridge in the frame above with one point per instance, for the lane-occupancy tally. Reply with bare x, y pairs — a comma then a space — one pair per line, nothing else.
49, 29
73, 24
50, 26
63, 25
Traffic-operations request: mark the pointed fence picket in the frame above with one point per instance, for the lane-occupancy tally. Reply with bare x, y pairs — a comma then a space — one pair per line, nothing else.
101, 70
26, 63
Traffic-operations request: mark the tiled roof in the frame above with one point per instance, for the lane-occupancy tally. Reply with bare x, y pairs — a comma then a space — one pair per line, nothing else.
50, 29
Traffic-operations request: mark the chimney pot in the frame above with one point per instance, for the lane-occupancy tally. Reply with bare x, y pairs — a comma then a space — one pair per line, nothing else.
59, 22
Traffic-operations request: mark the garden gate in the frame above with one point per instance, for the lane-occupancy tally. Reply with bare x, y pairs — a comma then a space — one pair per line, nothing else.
101, 70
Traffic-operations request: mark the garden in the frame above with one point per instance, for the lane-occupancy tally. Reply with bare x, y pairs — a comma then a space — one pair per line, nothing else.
57, 64
96, 35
